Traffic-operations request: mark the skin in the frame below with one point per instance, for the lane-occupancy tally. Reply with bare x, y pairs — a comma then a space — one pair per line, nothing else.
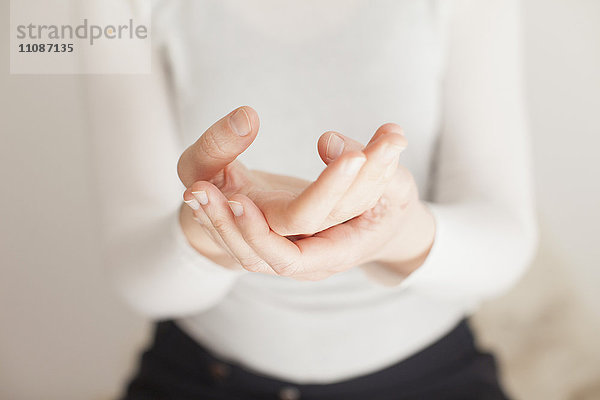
363, 207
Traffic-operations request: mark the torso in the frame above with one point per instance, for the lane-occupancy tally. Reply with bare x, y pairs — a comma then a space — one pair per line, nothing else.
308, 67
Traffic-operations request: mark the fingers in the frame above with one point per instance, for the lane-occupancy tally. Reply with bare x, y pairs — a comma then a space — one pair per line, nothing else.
202, 219
382, 154
244, 230
332, 144
313, 258
384, 129
218, 146
349, 244
382, 162
316, 202
214, 205
281, 254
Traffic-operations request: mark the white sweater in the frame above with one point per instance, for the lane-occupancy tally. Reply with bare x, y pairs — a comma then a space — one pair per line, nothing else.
448, 71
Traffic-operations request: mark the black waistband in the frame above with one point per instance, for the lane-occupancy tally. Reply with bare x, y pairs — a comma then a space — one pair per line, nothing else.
451, 366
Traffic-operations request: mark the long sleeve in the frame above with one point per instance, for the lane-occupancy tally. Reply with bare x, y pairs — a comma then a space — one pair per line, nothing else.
482, 192
135, 146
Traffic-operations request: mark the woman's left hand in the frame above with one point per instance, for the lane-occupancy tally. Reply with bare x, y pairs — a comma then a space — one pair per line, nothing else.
396, 231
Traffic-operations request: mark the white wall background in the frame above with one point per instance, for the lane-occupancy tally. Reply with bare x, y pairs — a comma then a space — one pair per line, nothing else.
563, 73
65, 335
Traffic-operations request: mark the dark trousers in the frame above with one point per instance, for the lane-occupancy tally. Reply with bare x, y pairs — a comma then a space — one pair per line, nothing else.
175, 367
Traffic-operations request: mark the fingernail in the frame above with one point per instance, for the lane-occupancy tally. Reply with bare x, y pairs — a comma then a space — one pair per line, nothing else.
236, 208
240, 123
335, 146
201, 196
354, 165
193, 203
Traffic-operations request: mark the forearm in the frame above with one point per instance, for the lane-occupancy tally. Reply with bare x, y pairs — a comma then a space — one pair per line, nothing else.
481, 249
153, 265
481, 181
159, 273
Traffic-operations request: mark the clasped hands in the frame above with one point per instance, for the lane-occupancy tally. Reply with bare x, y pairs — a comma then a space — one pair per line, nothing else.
363, 207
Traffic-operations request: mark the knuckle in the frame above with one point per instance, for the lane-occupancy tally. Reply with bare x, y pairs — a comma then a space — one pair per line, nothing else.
253, 238
371, 219
200, 219
367, 204
221, 226
372, 203
210, 146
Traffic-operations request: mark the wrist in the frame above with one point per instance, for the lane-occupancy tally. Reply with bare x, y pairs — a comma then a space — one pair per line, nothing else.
409, 247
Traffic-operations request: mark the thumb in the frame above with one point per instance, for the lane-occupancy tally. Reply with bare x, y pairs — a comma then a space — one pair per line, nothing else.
218, 146
331, 144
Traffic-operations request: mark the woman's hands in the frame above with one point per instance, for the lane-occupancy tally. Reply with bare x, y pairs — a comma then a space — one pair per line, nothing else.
363, 187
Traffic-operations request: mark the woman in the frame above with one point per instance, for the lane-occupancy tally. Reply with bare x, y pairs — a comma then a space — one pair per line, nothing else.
285, 276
